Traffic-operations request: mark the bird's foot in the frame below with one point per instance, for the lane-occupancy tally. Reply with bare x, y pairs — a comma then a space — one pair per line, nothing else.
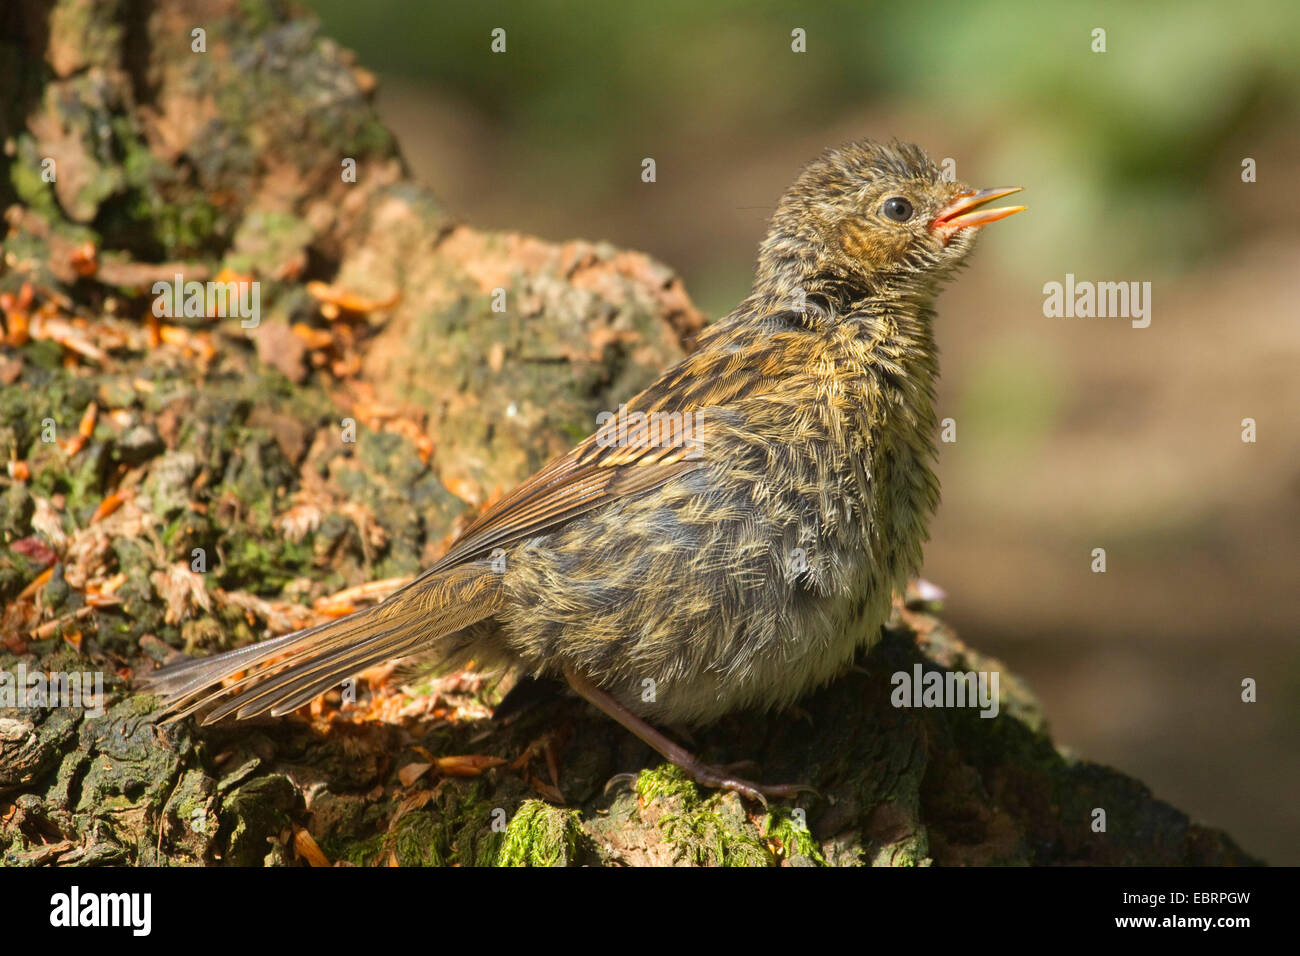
723, 778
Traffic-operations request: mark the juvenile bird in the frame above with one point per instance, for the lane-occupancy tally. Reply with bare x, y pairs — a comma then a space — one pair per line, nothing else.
734, 535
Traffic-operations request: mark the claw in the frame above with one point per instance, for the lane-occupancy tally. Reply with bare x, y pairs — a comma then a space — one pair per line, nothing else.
618, 778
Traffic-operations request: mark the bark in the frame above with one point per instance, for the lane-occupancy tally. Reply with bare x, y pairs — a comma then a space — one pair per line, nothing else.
463, 360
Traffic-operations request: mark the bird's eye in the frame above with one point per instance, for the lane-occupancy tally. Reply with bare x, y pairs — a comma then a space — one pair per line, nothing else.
897, 208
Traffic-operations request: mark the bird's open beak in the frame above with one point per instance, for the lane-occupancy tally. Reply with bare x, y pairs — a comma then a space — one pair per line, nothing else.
964, 212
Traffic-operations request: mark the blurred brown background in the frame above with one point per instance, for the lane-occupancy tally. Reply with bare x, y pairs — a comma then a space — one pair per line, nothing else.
1072, 433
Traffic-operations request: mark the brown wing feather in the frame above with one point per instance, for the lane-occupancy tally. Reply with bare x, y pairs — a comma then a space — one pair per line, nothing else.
590, 475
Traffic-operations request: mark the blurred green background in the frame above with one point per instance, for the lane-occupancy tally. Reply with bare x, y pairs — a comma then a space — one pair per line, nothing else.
1072, 434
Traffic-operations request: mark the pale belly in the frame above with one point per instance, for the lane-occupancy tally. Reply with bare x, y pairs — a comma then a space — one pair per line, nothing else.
824, 639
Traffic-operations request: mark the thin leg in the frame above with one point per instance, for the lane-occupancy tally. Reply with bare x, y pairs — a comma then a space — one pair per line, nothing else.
706, 775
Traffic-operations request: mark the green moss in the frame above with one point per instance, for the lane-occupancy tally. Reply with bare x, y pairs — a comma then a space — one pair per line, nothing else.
156, 213
263, 565
712, 831
25, 177
85, 482
670, 781
706, 837
792, 839
44, 390
542, 835
361, 853
186, 228
419, 839
256, 469
142, 704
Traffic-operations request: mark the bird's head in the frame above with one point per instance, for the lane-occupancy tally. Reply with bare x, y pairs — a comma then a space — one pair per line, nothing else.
875, 219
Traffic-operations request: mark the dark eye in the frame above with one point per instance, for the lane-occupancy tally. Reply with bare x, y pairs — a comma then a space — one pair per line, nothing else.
897, 208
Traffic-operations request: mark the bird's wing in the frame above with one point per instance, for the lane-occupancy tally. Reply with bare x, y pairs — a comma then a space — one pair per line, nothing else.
616, 462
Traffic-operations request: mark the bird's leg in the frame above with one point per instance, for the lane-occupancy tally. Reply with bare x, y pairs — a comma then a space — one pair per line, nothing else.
706, 775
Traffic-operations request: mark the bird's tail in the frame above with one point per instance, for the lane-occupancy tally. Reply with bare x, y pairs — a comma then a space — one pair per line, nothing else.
285, 672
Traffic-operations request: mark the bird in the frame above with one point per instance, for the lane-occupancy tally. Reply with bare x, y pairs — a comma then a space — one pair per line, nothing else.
733, 536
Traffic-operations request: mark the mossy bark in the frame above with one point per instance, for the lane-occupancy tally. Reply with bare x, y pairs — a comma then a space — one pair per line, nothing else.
463, 360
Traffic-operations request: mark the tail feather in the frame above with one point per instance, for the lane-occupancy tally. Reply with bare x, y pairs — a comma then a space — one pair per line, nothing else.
284, 673
276, 691
301, 693
292, 688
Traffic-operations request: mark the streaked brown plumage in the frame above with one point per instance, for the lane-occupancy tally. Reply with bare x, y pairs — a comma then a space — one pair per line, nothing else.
740, 564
